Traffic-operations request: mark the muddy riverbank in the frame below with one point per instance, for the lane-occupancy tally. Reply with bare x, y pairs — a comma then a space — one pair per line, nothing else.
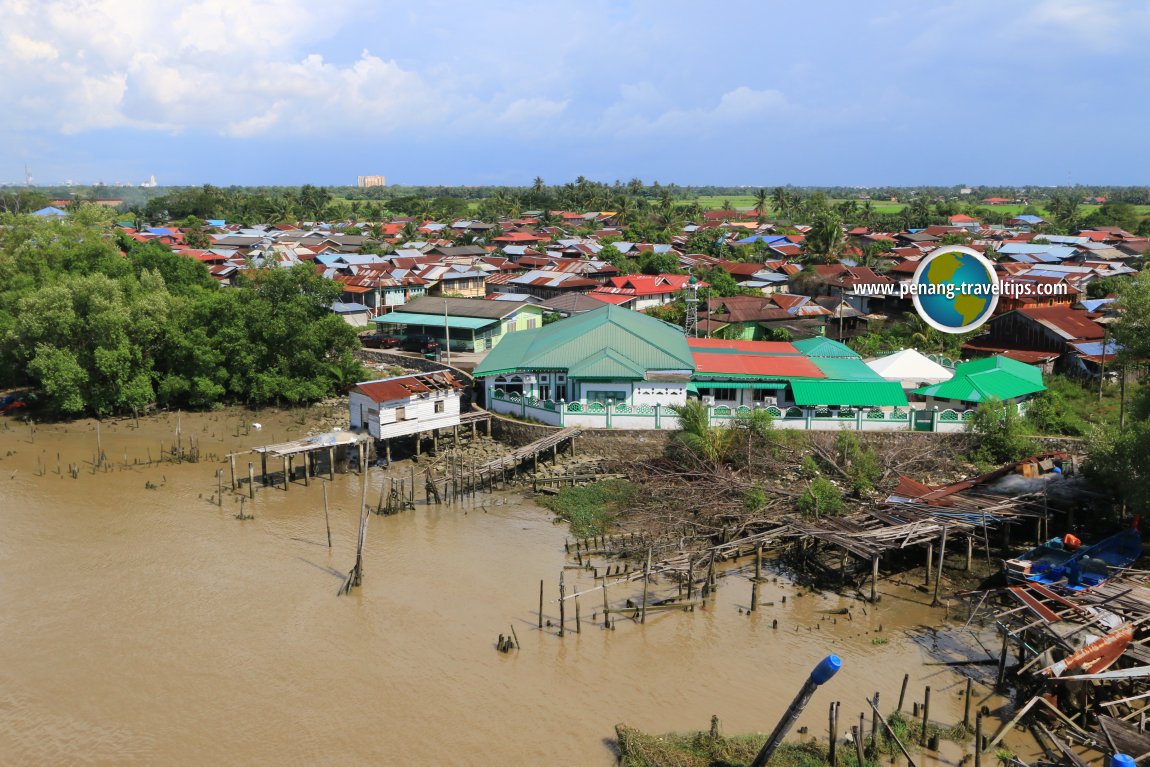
145, 624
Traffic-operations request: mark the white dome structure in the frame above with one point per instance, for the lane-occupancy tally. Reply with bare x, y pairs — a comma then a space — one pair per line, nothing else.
910, 368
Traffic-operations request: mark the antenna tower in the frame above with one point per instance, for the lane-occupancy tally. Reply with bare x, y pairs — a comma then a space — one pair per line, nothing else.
691, 322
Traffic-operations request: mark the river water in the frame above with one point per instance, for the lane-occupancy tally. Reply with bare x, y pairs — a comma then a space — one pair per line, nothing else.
144, 624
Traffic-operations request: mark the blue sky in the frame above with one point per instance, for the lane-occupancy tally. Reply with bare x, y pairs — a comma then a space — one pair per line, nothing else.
436, 92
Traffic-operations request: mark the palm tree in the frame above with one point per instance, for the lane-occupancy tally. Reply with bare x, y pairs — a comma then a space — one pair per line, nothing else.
825, 239
710, 443
762, 197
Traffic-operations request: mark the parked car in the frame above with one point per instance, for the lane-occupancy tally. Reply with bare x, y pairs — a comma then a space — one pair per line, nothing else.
376, 341
420, 344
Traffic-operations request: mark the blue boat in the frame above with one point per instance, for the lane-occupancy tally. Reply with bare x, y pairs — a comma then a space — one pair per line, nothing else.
1091, 566
1040, 559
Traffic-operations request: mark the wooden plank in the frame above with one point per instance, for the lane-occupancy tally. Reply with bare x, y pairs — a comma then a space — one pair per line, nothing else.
1123, 736
1039, 609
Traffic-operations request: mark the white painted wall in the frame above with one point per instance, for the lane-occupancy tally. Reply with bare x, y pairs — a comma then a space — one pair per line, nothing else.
419, 414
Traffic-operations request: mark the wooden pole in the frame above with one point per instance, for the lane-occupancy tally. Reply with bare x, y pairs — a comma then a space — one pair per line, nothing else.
1002, 660
902, 693
978, 740
307, 469
969, 551
646, 578
578, 626
874, 724
874, 578
326, 518
219, 487
966, 708
941, 559
834, 731
929, 562
331, 463
251, 481
540, 603
925, 714
606, 607
858, 745
562, 603
232, 464
287, 471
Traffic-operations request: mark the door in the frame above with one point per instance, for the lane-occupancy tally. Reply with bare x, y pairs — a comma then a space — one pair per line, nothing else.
923, 420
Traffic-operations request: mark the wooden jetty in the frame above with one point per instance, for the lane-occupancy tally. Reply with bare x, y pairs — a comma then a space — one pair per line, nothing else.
336, 446
531, 452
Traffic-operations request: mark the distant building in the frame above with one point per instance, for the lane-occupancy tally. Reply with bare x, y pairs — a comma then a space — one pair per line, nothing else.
394, 407
366, 181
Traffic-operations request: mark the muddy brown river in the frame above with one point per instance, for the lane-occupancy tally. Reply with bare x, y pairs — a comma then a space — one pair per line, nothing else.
142, 624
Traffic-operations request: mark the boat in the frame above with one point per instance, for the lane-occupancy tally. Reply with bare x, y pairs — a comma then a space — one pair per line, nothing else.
1093, 565
1041, 558
1096, 656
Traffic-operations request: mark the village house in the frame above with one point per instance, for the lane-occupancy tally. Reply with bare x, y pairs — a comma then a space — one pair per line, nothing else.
396, 407
757, 318
978, 381
473, 324
644, 291
609, 355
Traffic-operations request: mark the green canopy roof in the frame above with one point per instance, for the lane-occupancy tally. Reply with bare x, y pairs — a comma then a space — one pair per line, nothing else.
990, 378
610, 342
848, 393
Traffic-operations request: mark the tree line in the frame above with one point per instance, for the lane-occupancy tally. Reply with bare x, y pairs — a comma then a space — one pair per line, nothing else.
101, 324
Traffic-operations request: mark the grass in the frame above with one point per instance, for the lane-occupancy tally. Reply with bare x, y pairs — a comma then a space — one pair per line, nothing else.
702, 749
1069, 406
592, 509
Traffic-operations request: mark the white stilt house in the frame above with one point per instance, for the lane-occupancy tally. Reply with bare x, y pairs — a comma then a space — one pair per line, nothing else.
394, 407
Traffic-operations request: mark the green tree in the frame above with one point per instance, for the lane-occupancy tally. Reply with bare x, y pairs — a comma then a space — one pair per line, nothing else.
1000, 431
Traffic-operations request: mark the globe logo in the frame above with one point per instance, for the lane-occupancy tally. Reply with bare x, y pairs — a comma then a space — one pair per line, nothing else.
955, 289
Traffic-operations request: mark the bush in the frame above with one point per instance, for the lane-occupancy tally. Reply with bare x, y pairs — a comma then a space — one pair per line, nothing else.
1002, 437
591, 509
822, 498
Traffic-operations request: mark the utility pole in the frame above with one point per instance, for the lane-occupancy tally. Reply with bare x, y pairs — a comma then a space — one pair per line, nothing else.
446, 331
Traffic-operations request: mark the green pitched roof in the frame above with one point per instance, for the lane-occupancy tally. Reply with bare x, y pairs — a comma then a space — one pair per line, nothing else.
857, 393
611, 342
820, 346
989, 378
846, 369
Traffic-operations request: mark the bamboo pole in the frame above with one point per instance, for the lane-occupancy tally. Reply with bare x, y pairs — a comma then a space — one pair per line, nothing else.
562, 603
646, 579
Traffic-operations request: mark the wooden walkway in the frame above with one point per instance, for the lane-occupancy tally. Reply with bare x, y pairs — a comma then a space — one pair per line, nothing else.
532, 451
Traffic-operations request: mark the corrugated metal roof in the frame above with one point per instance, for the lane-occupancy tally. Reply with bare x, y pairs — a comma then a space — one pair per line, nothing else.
846, 369
434, 320
755, 365
824, 347
989, 378
852, 393
645, 342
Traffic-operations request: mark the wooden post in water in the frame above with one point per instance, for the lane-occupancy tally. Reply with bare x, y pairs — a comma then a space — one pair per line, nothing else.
902, 693
263, 468
969, 551
326, 518
287, 471
251, 481
874, 578
562, 603
232, 464
941, 559
1001, 682
331, 463
578, 627
929, 562
925, 715
874, 725
219, 487
540, 603
857, 734
978, 739
966, 708
834, 731
606, 608
646, 579
307, 469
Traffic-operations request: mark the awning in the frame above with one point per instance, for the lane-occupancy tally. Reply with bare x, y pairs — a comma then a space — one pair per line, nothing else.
435, 320
736, 385
849, 393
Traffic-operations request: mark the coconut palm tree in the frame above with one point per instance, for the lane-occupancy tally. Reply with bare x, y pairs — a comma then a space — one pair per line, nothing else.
762, 197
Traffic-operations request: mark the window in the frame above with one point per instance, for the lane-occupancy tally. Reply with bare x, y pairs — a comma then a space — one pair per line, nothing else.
530, 323
401, 414
606, 396
439, 405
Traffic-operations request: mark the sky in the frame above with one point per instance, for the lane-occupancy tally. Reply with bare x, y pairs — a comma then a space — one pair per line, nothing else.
758, 93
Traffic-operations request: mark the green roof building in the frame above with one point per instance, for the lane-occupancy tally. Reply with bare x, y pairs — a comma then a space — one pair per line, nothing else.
980, 380
609, 355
